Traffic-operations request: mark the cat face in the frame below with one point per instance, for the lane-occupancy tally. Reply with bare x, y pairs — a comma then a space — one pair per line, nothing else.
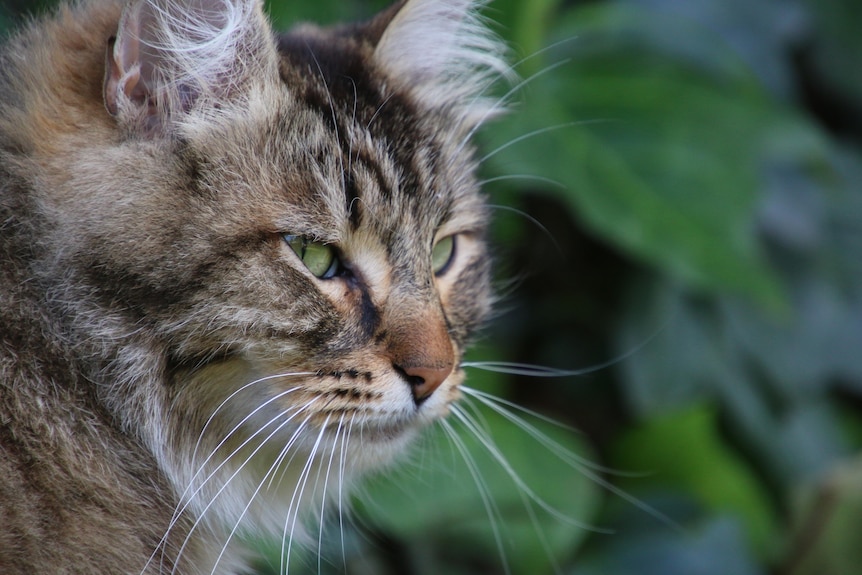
277, 245
361, 262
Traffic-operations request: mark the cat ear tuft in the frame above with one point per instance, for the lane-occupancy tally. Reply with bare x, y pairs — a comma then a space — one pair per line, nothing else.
442, 51
171, 56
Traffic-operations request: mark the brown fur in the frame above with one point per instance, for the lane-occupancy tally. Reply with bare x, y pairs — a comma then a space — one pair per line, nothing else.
160, 344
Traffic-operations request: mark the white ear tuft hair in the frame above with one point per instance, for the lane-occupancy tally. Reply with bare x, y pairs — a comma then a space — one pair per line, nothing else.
169, 55
442, 51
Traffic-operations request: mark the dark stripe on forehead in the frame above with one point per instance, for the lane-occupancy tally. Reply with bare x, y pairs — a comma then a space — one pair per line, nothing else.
363, 158
327, 71
334, 77
351, 195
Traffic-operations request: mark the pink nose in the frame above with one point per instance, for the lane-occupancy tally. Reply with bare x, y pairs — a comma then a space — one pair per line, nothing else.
425, 380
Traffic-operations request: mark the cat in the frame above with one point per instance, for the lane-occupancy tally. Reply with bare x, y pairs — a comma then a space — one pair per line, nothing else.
239, 269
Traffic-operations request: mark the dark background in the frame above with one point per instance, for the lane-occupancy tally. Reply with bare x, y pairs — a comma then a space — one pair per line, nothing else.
683, 221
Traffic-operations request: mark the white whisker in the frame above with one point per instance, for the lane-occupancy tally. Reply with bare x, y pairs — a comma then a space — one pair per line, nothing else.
531, 370
498, 456
488, 397
186, 498
230, 434
338, 431
586, 468
540, 533
263, 480
532, 220
564, 454
331, 110
378, 110
487, 500
500, 103
234, 394
535, 133
352, 124
342, 460
527, 177
297, 496
238, 471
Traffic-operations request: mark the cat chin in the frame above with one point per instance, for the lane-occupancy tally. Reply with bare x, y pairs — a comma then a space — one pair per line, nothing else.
268, 491
261, 458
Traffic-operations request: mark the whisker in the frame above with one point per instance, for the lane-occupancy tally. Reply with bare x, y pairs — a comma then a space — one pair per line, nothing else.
186, 499
527, 177
236, 428
280, 463
238, 471
493, 398
581, 465
283, 454
501, 460
378, 110
530, 219
298, 493
345, 440
482, 487
501, 101
564, 454
352, 124
531, 370
476, 414
538, 132
331, 110
260, 485
335, 439
540, 534
234, 394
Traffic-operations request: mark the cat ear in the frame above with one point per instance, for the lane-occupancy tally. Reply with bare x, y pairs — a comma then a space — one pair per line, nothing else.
443, 53
171, 56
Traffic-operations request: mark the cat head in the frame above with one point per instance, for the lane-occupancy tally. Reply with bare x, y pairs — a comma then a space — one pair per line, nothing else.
277, 243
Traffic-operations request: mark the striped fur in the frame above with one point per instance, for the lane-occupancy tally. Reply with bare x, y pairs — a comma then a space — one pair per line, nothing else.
170, 372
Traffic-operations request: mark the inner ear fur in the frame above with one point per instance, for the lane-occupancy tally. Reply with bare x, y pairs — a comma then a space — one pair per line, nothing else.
171, 56
442, 52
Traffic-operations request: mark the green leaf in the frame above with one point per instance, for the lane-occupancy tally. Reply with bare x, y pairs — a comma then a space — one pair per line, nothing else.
837, 45
524, 25
285, 14
716, 548
461, 498
684, 451
694, 351
761, 33
657, 156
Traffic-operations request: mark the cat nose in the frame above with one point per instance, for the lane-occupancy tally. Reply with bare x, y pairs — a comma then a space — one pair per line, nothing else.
425, 380
421, 350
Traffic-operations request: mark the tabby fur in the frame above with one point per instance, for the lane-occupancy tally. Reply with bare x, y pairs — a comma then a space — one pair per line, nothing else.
171, 374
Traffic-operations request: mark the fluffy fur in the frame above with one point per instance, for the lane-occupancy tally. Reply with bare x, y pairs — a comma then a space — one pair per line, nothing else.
170, 371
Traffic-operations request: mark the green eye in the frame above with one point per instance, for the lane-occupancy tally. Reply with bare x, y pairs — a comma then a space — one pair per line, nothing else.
442, 255
320, 259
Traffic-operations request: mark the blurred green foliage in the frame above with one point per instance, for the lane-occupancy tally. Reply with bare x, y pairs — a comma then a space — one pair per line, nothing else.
696, 170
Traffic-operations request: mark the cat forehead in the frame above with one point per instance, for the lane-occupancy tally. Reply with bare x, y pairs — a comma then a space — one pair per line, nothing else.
334, 77
348, 151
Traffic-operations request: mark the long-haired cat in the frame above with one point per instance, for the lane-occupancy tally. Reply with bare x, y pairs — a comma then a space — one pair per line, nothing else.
238, 269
